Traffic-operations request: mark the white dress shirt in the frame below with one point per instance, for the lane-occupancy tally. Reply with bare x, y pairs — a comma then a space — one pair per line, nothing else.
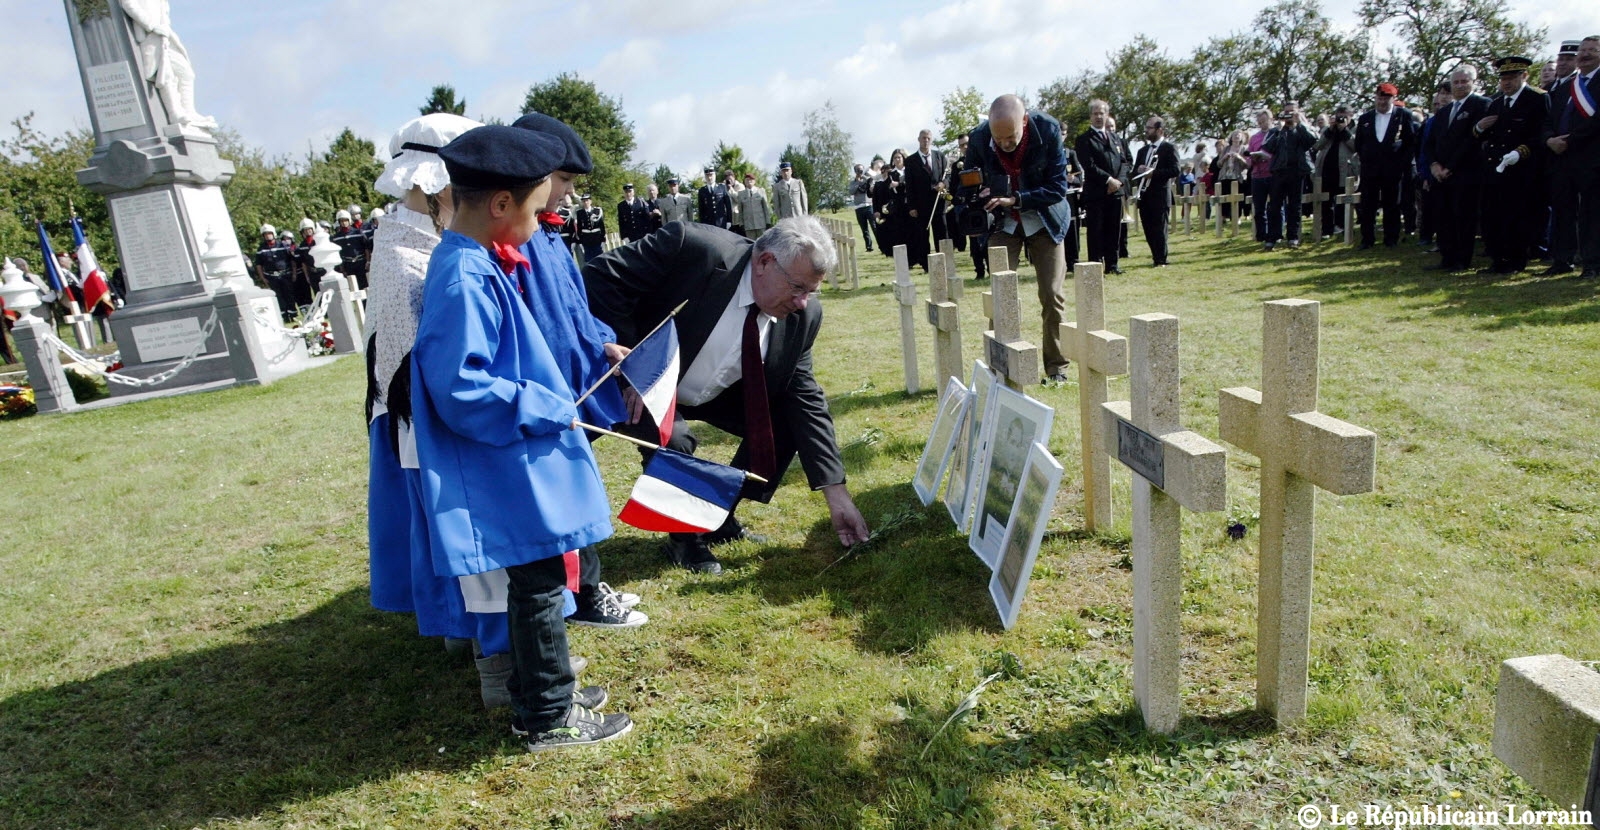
1380, 122
719, 365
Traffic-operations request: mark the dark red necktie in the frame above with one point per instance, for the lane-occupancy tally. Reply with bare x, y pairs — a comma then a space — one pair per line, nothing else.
509, 257
757, 409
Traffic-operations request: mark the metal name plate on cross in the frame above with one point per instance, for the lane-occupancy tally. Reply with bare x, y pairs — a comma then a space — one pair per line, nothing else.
1301, 450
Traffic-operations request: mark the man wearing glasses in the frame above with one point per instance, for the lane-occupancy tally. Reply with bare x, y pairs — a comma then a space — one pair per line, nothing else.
748, 303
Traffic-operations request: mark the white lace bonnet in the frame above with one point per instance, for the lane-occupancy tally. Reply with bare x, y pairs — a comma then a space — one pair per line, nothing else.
414, 154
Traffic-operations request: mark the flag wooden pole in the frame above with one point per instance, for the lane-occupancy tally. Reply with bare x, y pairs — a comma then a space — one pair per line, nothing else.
647, 445
613, 370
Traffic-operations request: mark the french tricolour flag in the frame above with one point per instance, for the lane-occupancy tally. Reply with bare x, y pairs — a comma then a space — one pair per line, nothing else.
1582, 98
652, 370
682, 494
95, 290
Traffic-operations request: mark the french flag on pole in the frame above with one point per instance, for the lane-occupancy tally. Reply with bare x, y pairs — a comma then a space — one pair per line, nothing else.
1582, 98
652, 370
95, 290
51, 272
682, 494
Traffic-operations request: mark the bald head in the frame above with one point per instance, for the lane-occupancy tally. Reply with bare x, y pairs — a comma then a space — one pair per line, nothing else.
1006, 115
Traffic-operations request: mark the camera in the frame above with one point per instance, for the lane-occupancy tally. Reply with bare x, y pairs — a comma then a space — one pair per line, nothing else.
975, 221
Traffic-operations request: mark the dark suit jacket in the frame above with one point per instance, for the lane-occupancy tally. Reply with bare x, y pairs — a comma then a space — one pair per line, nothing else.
1583, 134
920, 181
633, 221
1389, 155
715, 206
634, 287
1102, 159
1517, 128
1167, 169
1043, 181
1454, 146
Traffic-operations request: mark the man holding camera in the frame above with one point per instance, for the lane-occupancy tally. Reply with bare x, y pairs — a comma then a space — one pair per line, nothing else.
1290, 146
1386, 141
1024, 184
1335, 157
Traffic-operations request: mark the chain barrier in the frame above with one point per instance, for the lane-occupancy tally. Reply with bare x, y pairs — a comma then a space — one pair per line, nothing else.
87, 361
313, 319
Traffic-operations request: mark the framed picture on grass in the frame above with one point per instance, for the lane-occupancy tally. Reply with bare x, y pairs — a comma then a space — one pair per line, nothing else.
941, 441
1013, 422
1029, 514
958, 492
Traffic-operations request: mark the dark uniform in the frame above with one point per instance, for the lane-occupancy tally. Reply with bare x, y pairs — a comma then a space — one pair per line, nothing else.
714, 204
307, 276
1456, 150
590, 225
275, 266
1510, 195
352, 254
633, 218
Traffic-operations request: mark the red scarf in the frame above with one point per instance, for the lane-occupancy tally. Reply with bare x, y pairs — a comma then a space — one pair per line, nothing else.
509, 257
550, 217
1012, 163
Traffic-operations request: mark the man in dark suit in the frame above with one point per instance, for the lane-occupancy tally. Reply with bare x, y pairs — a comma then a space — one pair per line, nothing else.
1455, 167
1511, 201
714, 204
747, 302
1100, 153
925, 174
1574, 142
633, 216
1023, 148
1386, 140
1159, 159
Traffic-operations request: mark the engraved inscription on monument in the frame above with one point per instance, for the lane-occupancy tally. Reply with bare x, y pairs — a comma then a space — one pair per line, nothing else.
154, 253
1141, 452
167, 341
114, 97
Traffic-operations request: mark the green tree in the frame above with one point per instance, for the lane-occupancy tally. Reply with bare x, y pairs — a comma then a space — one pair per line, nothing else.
1067, 100
443, 99
662, 173
1438, 34
731, 157
1140, 80
261, 192
1223, 90
599, 119
828, 155
341, 176
1296, 55
962, 110
38, 180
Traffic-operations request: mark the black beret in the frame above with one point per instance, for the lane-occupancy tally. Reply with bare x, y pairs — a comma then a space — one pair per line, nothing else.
500, 157
577, 160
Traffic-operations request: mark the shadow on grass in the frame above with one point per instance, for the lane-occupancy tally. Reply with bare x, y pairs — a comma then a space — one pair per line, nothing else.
304, 707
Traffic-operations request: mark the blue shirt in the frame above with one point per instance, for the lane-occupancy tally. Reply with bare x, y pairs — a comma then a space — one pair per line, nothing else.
505, 479
553, 289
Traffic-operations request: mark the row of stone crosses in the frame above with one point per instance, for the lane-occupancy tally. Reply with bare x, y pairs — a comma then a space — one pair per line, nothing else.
1300, 450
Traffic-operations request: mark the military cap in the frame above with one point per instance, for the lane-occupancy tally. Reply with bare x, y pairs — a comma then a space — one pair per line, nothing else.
1570, 47
1512, 64
577, 159
785, 165
672, 181
628, 186
501, 157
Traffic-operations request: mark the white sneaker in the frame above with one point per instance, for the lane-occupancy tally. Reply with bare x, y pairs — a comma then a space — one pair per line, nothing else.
623, 598
605, 612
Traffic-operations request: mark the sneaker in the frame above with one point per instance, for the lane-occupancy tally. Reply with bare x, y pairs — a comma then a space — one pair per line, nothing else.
624, 599
1294, 243
1269, 246
581, 727
606, 612
589, 697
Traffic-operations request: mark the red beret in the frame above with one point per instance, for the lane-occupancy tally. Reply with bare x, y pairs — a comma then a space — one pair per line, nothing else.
1388, 89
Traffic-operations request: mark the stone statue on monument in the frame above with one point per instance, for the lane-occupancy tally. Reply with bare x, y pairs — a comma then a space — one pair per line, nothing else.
164, 61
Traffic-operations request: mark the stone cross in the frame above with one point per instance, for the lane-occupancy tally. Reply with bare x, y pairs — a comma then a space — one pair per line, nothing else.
1190, 201
1098, 354
1316, 197
998, 260
906, 292
80, 322
945, 318
1234, 196
1172, 467
1350, 198
954, 285
1011, 357
1300, 449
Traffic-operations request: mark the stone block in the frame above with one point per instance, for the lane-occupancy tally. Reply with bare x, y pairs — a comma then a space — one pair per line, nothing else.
1546, 717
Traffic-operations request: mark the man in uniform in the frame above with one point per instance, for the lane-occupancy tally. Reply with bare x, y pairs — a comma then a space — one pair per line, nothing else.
633, 215
352, 248
1103, 179
307, 276
274, 264
755, 214
714, 206
590, 228
1385, 141
1456, 168
1509, 132
789, 194
674, 206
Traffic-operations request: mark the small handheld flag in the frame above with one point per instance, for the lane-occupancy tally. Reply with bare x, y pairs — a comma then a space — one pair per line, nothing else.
682, 494
95, 290
652, 370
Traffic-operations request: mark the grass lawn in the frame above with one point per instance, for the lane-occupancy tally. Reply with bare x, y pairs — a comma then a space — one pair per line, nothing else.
187, 639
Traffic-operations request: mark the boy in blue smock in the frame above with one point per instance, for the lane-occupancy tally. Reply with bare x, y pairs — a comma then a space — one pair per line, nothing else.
507, 481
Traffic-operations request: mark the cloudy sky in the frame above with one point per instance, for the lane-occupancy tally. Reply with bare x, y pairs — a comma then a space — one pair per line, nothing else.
289, 75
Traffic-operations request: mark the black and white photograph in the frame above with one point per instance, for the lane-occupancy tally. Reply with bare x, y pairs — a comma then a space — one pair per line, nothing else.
941, 441
958, 493
1013, 423
1030, 513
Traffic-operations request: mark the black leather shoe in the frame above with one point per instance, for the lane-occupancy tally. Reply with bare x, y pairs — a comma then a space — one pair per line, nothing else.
732, 531
1557, 270
1590, 274
691, 552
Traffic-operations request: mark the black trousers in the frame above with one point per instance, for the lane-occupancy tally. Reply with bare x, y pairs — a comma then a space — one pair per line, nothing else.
864, 218
1458, 220
1260, 193
1103, 223
1331, 213
1511, 220
1153, 215
1380, 192
1285, 205
1563, 215
541, 682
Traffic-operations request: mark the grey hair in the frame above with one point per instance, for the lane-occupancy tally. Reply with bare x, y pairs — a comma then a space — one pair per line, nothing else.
799, 236
1466, 69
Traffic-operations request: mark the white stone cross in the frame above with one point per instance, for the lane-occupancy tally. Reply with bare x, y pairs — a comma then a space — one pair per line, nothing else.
1099, 354
945, 318
1300, 449
906, 292
1172, 467
1235, 195
1011, 357
998, 260
953, 283
1350, 198
1316, 197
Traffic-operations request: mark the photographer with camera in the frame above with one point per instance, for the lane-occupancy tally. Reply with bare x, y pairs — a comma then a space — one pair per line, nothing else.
1016, 157
1336, 162
1289, 146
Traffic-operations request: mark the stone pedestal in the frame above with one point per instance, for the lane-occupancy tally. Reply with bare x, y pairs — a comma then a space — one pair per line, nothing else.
1546, 718
259, 349
347, 335
50, 390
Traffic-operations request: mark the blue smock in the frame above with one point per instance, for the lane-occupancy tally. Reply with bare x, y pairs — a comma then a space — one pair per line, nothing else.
553, 289
504, 478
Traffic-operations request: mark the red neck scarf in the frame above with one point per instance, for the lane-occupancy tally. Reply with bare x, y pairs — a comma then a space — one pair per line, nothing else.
1012, 163
509, 257
550, 217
